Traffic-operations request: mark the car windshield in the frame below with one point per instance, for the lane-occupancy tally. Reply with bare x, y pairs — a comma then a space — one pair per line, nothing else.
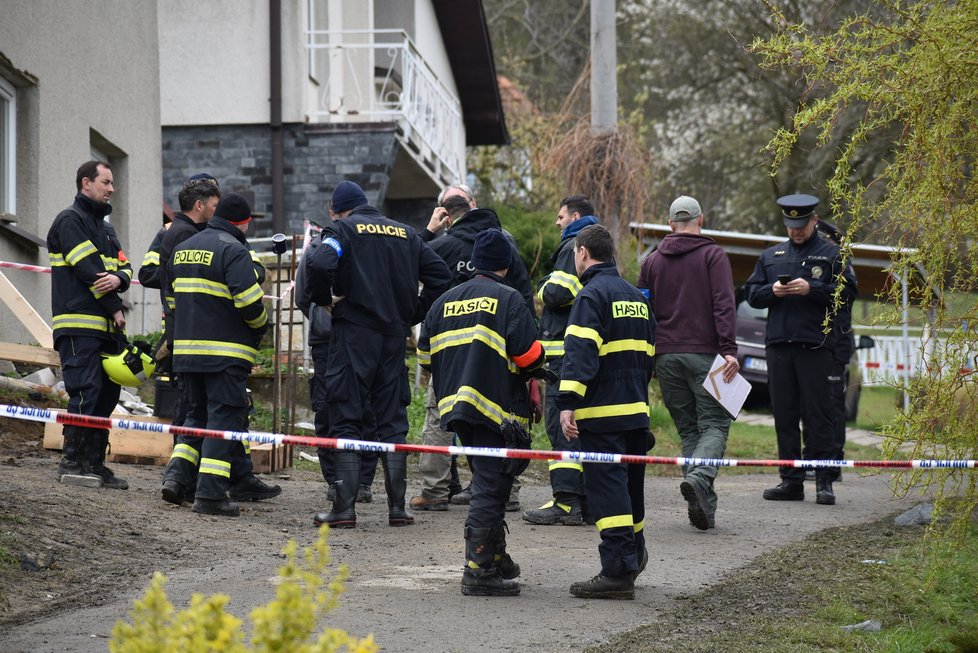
746, 310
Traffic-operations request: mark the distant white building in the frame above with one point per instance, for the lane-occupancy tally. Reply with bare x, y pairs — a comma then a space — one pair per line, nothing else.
386, 93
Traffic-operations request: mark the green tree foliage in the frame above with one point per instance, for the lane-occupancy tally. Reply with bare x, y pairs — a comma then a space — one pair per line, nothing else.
303, 597
536, 234
910, 69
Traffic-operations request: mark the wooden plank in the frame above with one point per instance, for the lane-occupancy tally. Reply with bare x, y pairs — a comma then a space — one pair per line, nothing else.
269, 458
27, 354
24, 312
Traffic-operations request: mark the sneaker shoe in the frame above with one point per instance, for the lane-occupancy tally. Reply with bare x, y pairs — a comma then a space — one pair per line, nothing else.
786, 491
74, 468
696, 504
424, 503
172, 492
462, 498
824, 496
109, 479
552, 513
221, 507
253, 489
365, 494
605, 587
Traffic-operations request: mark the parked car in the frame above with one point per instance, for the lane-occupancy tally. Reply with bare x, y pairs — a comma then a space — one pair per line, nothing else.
751, 353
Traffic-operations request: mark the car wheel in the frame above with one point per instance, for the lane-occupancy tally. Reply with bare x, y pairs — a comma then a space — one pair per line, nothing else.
852, 403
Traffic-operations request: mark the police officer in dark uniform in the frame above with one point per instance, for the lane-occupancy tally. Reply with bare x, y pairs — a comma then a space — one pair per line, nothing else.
220, 320
479, 341
374, 264
796, 281
604, 401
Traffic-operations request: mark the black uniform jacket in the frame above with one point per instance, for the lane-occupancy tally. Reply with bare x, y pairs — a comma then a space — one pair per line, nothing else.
557, 292
149, 269
79, 248
181, 229
455, 248
220, 318
800, 319
608, 350
477, 340
375, 264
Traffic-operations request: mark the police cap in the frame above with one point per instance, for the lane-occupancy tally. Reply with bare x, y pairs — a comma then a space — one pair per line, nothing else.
797, 209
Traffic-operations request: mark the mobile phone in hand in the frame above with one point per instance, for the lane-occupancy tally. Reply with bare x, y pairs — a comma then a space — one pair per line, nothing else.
784, 279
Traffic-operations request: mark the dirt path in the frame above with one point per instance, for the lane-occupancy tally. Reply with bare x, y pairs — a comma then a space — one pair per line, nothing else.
404, 582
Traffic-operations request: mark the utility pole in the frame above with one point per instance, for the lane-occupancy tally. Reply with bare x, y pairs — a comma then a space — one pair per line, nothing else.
604, 67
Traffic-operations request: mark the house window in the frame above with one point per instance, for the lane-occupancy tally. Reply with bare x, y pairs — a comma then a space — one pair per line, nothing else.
8, 147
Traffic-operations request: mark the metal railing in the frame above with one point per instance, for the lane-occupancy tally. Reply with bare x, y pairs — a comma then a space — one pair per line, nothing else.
380, 75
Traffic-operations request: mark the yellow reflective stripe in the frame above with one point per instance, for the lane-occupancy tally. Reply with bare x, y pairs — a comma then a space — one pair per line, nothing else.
615, 346
214, 348
248, 297
483, 404
79, 321
639, 527
110, 264
424, 357
151, 258
258, 322
468, 335
585, 333
125, 271
215, 467
612, 410
540, 292
254, 257
186, 452
247, 446
553, 348
566, 280
204, 286
560, 464
616, 521
171, 302
80, 251
578, 388
57, 260
97, 294
552, 503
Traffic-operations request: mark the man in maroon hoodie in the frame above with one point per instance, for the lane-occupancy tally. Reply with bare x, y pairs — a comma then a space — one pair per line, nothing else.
690, 288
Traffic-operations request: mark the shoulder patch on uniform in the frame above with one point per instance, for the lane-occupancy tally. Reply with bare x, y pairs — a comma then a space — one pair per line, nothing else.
335, 244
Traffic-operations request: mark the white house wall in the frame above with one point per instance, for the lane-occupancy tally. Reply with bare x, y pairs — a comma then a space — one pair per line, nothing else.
96, 68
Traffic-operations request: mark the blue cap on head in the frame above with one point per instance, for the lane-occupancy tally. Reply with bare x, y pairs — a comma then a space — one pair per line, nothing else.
797, 209
347, 195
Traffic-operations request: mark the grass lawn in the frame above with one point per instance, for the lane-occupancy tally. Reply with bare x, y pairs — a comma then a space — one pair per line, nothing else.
877, 407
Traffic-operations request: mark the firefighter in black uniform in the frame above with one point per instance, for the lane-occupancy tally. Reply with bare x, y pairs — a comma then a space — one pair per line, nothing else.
214, 284
557, 292
604, 401
87, 319
374, 264
796, 281
479, 341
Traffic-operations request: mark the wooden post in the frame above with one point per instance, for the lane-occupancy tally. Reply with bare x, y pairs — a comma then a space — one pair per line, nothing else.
24, 312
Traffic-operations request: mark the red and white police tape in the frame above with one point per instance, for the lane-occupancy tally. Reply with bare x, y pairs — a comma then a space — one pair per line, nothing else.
57, 417
135, 282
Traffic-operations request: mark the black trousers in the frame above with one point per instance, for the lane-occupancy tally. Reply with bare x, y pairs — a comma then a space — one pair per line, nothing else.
566, 477
803, 382
219, 400
491, 480
90, 390
320, 404
366, 374
616, 494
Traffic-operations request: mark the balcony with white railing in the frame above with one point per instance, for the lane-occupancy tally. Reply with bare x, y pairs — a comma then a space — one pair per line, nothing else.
380, 76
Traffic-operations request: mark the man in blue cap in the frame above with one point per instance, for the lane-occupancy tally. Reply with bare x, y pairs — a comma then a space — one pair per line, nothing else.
796, 281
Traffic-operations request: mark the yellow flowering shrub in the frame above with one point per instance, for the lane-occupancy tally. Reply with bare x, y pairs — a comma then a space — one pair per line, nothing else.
290, 623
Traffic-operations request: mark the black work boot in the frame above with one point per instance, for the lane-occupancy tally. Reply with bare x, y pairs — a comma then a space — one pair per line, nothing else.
696, 504
220, 507
344, 513
786, 491
173, 492
395, 482
823, 492
501, 560
98, 442
556, 511
73, 455
480, 577
253, 488
605, 587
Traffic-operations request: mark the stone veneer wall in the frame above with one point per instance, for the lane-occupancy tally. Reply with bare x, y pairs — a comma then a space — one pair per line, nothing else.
317, 157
